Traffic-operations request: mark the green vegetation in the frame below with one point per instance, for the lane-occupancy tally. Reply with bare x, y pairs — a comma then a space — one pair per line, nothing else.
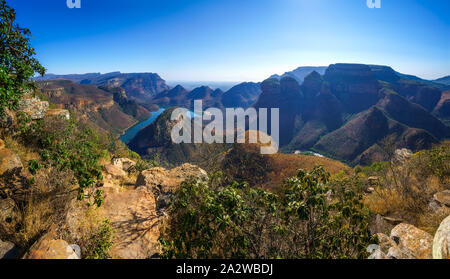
68, 145
17, 62
97, 246
403, 188
308, 221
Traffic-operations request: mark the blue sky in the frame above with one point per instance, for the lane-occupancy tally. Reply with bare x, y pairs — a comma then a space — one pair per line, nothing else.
236, 40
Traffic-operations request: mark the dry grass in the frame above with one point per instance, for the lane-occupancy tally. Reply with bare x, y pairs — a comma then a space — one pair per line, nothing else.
24, 152
42, 204
405, 189
288, 165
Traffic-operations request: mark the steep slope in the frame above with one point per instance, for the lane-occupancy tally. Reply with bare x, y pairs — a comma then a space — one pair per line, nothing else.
367, 129
242, 95
286, 95
156, 139
354, 85
412, 115
442, 109
90, 103
176, 96
416, 90
443, 80
139, 86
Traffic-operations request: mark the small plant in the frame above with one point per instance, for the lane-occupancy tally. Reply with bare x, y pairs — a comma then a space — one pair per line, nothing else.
99, 243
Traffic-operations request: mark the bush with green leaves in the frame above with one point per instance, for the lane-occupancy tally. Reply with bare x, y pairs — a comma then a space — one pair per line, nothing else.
309, 220
17, 62
68, 144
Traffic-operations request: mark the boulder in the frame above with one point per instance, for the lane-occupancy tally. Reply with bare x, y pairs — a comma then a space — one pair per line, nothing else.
443, 197
377, 255
408, 237
441, 243
62, 113
168, 181
9, 162
7, 118
163, 183
52, 249
385, 242
135, 221
398, 252
401, 155
123, 163
8, 250
114, 171
34, 107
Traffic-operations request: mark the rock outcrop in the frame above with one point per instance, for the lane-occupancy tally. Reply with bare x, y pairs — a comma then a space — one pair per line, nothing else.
441, 243
8, 250
53, 249
134, 212
163, 183
419, 242
9, 161
62, 113
34, 107
123, 163
442, 198
135, 221
405, 242
114, 171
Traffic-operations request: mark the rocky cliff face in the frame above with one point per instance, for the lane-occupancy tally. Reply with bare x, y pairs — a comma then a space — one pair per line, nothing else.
242, 95
354, 85
347, 111
107, 107
138, 86
156, 139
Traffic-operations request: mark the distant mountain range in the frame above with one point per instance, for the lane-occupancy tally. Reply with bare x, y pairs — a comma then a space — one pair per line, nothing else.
300, 73
343, 111
444, 80
347, 112
138, 86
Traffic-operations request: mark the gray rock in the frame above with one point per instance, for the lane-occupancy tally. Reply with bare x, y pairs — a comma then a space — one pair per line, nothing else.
8, 250
76, 249
377, 255
372, 248
34, 107
441, 242
123, 163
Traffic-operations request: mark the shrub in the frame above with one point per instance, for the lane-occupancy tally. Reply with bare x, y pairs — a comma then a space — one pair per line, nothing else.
69, 145
237, 221
98, 244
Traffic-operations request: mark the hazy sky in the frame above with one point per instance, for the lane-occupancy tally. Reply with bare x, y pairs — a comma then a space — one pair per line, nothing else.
237, 40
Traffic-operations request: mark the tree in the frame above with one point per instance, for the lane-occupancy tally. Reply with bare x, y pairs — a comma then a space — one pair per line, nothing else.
17, 62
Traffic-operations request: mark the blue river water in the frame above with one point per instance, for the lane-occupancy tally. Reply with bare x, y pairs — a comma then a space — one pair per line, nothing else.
133, 131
